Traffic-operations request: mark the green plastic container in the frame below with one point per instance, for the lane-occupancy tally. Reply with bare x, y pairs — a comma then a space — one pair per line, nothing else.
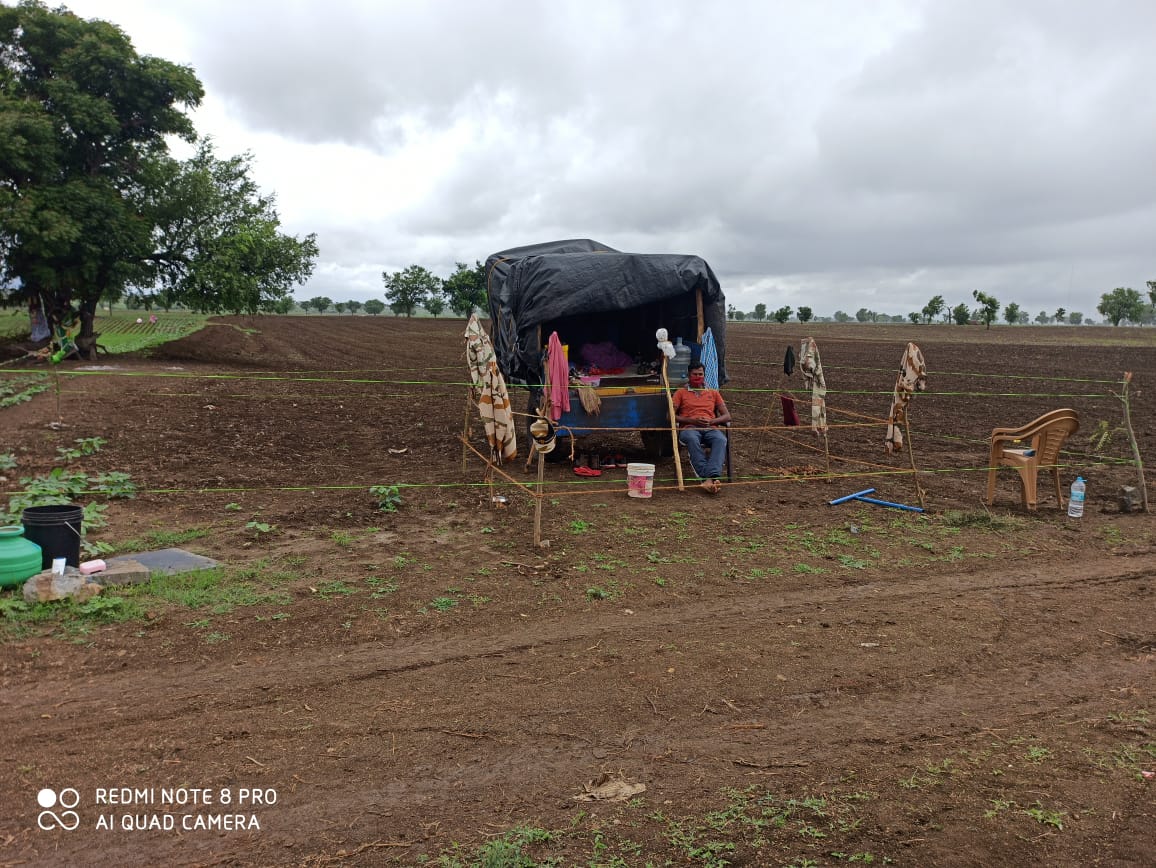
19, 557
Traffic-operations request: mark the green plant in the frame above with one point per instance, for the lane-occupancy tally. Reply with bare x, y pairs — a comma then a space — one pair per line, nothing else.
114, 484
387, 497
84, 446
610, 592
260, 528
232, 507
579, 526
443, 604
1048, 818
342, 538
1037, 754
381, 587
998, 806
336, 588
7, 461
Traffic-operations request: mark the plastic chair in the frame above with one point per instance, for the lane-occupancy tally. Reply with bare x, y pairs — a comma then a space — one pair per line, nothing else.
1030, 447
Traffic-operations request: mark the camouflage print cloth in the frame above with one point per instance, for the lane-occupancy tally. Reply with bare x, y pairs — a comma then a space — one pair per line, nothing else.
912, 378
812, 367
490, 392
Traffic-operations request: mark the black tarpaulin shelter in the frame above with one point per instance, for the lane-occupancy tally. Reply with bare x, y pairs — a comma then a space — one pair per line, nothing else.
589, 293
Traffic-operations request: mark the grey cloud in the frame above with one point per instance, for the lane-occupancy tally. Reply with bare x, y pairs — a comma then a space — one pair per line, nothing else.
830, 152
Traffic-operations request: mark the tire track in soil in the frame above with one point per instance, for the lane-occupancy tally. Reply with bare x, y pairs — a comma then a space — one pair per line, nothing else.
365, 663
674, 747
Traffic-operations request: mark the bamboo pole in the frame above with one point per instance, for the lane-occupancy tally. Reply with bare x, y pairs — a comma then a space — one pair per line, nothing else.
1123, 396
466, 430
911, 455
495, 469
673, 425
538, 500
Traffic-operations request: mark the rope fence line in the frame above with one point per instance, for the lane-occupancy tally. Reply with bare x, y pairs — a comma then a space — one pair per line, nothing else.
592, 486
933, 373
390, 382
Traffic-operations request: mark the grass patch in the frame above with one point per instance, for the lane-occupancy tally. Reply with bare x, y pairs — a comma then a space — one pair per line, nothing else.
19, 618
161, 539
217, 590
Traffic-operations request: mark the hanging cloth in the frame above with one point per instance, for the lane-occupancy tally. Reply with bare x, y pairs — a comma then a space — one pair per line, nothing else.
559, 376
489, 387
912, 378
709, 358
789, 361
790, 416
812, 367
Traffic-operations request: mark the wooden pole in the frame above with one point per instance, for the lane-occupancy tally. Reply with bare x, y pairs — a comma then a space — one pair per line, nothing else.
673, 426
466, 430
538, 500
1123, 396
911, 455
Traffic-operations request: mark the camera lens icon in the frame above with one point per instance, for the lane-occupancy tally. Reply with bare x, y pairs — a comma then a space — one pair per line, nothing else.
67, 819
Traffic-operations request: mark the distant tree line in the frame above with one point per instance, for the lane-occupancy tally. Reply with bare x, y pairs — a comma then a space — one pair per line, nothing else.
416, 287
1120, 305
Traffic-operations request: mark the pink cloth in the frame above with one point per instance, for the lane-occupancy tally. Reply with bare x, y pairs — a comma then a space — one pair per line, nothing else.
558, 375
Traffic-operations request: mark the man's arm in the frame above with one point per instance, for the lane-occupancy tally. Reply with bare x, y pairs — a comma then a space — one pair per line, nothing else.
722, 414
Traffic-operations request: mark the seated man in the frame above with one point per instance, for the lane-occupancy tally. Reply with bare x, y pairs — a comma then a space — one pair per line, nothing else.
700, 412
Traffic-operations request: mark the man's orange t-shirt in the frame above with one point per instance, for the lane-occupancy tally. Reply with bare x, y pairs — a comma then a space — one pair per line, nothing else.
697, 404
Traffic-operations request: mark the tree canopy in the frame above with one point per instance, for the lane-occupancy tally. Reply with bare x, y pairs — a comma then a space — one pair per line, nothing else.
933, 308
92, 203
1122, 303
465, 289
409, 288
988, 307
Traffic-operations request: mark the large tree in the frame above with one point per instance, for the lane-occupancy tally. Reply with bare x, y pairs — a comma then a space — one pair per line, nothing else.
988, 307
465, 289
961, 314
933, 308
217, 244
1122, 303
1011, 313
409, 288
91, 202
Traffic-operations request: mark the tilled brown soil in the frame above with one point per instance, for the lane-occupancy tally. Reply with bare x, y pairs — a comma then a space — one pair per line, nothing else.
793, 683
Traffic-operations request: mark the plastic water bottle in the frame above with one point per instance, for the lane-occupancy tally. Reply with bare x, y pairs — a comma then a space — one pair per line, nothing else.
677, 368
1076, 502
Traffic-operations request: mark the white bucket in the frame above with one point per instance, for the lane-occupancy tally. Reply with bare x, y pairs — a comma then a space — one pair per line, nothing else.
640, 479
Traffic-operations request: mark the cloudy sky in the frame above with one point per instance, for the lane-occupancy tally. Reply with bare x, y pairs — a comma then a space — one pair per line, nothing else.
835, 153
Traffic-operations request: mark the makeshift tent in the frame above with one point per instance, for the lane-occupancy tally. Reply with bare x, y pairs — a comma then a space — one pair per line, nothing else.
590, 293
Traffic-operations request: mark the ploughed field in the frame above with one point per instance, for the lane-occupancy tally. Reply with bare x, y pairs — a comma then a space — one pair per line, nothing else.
766, 679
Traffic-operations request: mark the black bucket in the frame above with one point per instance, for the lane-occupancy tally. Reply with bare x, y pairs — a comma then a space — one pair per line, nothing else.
56, 529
